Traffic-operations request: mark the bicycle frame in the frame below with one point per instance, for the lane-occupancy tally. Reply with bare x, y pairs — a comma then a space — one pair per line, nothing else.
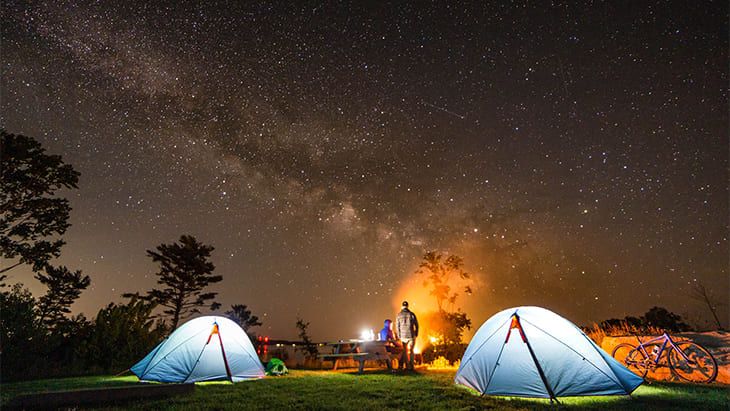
666, 340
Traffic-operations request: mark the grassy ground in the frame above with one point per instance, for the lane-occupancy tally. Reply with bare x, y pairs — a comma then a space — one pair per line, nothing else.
377, 389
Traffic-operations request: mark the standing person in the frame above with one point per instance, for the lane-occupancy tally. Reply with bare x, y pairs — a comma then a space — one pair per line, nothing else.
406, 325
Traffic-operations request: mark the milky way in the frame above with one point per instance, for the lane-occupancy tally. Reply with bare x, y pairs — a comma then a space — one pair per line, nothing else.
575, 156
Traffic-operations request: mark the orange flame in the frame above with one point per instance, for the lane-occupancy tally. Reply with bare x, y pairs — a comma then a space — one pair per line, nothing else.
421, 302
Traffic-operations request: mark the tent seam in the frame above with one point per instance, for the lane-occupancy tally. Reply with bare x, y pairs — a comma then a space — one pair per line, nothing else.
482, 345
489, 338
171, 351
595, 348
496, 364
582, 356
256, 361
196, 363
159, 347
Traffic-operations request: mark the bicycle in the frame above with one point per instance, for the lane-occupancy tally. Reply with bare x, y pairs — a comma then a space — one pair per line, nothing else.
686, 359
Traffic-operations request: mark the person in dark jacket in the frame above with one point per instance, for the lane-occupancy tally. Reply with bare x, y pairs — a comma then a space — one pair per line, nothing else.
406, 325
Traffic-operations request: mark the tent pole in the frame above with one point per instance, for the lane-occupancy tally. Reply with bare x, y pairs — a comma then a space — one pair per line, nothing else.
537, 364
117, 375
197, 360
223, 351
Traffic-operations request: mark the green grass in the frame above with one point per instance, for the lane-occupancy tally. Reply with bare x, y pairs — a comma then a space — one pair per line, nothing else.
345, 390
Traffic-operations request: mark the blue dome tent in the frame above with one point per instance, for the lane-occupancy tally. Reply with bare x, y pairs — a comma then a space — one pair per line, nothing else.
533, 352
203, 349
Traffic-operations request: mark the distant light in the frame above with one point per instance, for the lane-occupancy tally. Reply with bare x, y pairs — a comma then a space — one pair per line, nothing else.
367, 335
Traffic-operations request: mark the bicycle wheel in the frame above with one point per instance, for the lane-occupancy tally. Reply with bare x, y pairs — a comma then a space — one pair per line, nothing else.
633, 359
698, 366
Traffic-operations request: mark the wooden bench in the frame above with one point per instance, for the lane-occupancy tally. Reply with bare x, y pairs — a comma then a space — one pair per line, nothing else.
335, 358
360, 351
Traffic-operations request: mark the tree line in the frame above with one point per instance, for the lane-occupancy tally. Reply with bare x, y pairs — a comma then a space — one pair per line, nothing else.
38, 336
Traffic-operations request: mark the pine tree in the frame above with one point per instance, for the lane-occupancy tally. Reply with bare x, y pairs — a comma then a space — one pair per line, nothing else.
64, 287
185, 272
242, 316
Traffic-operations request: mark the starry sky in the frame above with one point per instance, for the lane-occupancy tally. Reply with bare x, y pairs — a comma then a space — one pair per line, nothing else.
576, 156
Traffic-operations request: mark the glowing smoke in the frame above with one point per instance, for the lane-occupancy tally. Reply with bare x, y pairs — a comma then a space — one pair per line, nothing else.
422, 303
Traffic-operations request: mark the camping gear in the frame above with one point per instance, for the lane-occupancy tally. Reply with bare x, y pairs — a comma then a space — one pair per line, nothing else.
686, 359
533, 352
276, 367
203, 349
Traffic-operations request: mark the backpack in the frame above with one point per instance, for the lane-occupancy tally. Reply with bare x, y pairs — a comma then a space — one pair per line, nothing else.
276, 367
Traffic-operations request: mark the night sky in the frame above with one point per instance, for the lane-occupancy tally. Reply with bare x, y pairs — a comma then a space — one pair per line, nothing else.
575, 156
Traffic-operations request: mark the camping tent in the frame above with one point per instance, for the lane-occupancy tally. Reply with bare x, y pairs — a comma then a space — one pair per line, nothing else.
533, 352
203, 349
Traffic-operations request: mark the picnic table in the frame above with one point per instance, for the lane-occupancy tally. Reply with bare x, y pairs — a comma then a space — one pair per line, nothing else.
360, 351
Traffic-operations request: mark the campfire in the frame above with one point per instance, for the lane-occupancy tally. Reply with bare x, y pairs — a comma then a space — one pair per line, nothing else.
439, 316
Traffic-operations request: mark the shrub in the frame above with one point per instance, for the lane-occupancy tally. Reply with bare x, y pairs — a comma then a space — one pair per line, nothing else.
121, 335
451, 351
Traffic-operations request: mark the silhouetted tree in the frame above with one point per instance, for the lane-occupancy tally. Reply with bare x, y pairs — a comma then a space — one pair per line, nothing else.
185, 271
64, 287
699, 293
439, 273
309, 348
448, 327
64, 345
241, 315
460, 322
121, 335
21, 334
31, 217
660, 317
